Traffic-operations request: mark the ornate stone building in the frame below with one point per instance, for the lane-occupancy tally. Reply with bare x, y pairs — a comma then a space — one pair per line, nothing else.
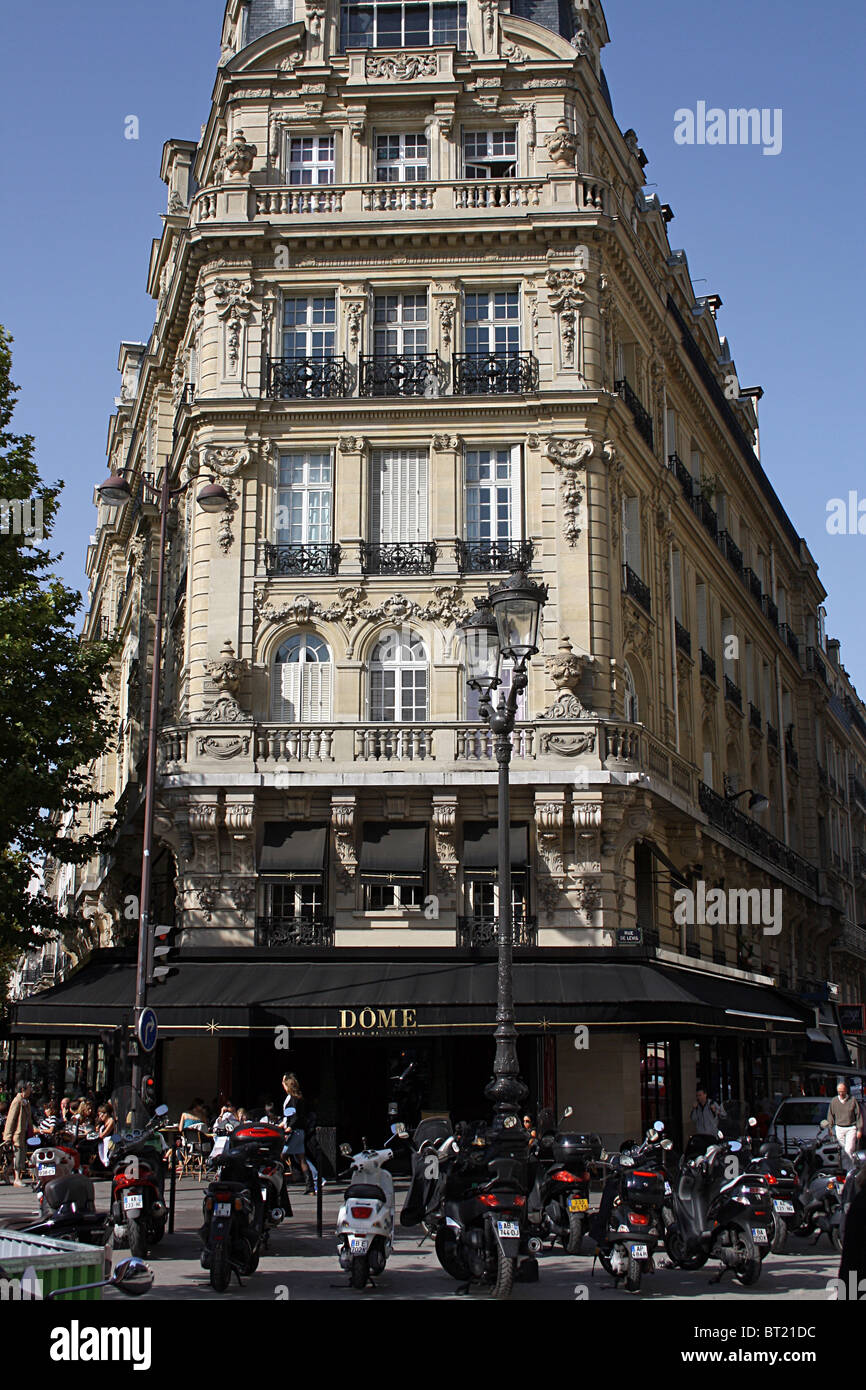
418, 316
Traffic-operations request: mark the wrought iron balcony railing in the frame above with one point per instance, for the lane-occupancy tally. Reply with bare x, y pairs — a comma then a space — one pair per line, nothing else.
706, 515
299, 558
409, 374
708, 665
733, 694
771, 610
494, 373
398, 557
755, 719
753, 584
772, 735
790, 640
487, 557
476, 932
731, 550
636, 588
684, 637
301, 931
743, 828
815, 664
640, 414
792, 757
683, 476
298, 378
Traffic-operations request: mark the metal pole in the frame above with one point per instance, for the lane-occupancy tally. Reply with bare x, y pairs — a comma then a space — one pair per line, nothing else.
150, 780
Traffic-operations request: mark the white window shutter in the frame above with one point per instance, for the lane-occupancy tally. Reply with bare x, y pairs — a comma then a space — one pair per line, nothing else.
290, 691
398, 496
316, 692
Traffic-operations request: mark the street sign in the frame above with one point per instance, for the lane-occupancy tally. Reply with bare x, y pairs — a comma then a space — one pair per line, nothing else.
629, 936
147, 1029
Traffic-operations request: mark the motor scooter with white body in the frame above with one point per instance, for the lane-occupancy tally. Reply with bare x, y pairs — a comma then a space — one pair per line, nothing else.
365, 1223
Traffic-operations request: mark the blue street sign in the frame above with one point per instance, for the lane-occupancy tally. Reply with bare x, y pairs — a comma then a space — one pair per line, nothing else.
147, 1029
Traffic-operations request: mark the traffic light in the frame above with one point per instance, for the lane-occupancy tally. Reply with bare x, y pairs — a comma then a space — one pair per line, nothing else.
148, 1089
161, 953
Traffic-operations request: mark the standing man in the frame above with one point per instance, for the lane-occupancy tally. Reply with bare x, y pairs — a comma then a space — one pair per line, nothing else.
18, 1126
706, 1114
846, 1124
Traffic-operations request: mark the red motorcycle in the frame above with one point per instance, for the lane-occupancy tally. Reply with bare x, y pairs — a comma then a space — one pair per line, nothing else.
137, 1177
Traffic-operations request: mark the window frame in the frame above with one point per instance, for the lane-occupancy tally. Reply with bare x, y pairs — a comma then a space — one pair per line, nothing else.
380, 40
316, 136
306, 489
402, 162
515, 494
326, 327
477, 164
279, 700
400, 325
399, 668
493, 349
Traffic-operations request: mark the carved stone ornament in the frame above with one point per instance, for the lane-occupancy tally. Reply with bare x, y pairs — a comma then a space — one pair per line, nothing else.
352, 607
228, 670
222, 746
234, 308
445, 443
549, 822
566, 669
401, 67
512, 54
206, 892
315, 19
239, 157
343, 825
565, 297
569, 457
568, 745
242, 895
444, 826
549, 895
351, 444
561, 145
588, 894
447, 308
354, 322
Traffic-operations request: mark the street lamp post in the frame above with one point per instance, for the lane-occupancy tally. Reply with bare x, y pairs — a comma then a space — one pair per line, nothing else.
505, 624
115, 492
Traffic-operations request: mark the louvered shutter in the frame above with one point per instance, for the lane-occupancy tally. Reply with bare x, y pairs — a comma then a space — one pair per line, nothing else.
398, 497
316, 692
290, 691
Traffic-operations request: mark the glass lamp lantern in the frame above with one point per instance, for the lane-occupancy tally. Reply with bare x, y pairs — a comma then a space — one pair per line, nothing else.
517, 603
115, 491
479, 637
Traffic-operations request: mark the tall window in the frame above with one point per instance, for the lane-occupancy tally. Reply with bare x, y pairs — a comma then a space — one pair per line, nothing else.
493, 322
309, 326
304, 499
492, 504
473, 698
631, 547
311, 159
490, 154
410, 24
399, 324
398, 496
294, 901
302, 681
401, 158
398, 679
630, 696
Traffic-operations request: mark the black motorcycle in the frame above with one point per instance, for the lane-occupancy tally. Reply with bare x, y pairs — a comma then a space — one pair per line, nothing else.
629, 1224
558, 1205
469, 1193
137, 1164
766, 1158
720, 1212
818, 1164
235, 1206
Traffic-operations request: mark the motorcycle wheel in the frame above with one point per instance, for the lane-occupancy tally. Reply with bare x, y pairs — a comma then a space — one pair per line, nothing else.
835, 1237
676, 1252
158, 1232
504, 1281
249, 1261
137, 1239
574, 1239
449, 1257
604, 1261
749, 1271
220, 1269
360, 1271
780, 1235
633, 1275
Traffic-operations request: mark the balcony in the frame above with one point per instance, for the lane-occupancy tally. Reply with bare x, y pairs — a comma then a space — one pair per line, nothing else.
635, 587
390, 743
495, 373
731, 551
772, 735
735, 823
753, 584
856, 791
792, 757
755, 721
771, 611
490, 557
683, 637
299, 558
852, 940
294, 932
641, 416
706, 515
407, 374
307, 378
815, 665
683, 476
708, 665
790, 640
398, 557
475, 933
733, 694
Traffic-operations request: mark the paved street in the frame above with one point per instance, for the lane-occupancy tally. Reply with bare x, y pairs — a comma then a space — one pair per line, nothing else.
301, 1266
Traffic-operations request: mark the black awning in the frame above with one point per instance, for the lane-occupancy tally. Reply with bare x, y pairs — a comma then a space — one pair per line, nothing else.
249, 992
481, 846
292, 850
393, 853
827, 1046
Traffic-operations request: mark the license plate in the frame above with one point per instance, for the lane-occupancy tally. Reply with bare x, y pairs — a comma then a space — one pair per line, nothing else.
759, 1235
132, 1201
639, 1252
358, 1245
45, 1169
578, 1204
786, 1208
508, 1229
222, 1209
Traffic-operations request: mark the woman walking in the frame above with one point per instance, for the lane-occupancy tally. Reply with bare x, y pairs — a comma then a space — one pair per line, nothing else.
294, 1118
17, 1128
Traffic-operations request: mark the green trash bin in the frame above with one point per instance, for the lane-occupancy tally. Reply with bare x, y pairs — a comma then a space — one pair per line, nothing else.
32, 1267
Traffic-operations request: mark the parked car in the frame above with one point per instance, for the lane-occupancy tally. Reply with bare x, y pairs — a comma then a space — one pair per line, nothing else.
797, 1118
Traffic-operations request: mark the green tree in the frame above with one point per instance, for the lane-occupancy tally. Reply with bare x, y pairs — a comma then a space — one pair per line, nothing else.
54, 718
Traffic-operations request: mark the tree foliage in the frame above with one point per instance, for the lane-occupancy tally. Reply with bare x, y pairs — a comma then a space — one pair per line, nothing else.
54, 719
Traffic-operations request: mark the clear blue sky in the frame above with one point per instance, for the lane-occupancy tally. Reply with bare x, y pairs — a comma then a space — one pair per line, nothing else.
779, 238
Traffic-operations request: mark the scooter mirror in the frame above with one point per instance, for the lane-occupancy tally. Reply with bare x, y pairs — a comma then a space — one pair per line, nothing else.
400, 1129
161, 1110
132, 1277
658, 1127
569, 1110
667, 1143
34, 1142
735, 1146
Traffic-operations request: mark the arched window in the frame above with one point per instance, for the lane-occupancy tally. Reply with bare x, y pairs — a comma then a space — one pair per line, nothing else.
301, 686
630, 696
398, 679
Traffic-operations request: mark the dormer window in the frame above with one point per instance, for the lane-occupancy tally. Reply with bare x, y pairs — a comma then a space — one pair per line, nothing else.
409, 24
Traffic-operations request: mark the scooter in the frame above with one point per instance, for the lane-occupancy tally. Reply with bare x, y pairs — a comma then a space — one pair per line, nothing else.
365, 1221
67, 1212
236, 1216
558, 1204
51, 1157
629, 1223
818, 1165
720, 1212
766, 1159
137, 1175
